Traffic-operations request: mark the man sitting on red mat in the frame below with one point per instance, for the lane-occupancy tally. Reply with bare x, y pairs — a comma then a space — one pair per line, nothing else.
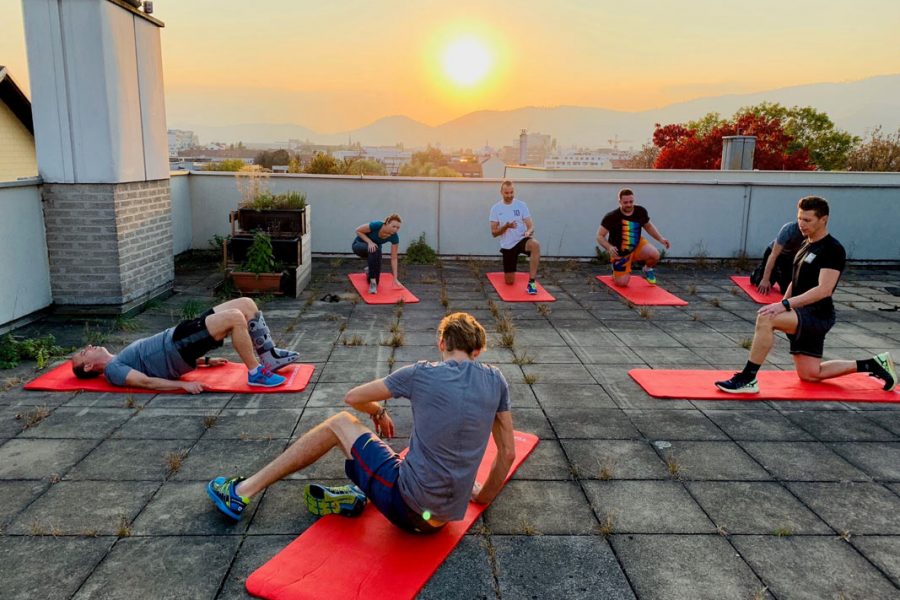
623, 226
512, 223
457, 404
806, 313
157, 362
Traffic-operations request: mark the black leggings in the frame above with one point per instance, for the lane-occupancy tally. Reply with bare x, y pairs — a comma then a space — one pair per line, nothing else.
361, 249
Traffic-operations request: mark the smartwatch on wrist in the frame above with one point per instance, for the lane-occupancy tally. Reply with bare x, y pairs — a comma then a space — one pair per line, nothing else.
786, 305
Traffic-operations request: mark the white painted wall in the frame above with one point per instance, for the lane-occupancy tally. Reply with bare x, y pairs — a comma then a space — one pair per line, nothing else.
716, 219
24, 270
96, 82
182, 220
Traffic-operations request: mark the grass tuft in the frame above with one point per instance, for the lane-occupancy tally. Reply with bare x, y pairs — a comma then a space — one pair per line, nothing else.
544, 310
354, 340
783, 532
607, 525
209, 421
33, 417
645, 312
673, 467
174, 460
530, 378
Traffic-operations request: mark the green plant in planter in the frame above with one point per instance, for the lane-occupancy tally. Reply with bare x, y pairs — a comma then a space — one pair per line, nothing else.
260, 255
266, 200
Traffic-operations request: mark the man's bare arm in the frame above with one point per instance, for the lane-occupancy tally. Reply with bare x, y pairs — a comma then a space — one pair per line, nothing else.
765, 284
137, 379
502, 431
656, 235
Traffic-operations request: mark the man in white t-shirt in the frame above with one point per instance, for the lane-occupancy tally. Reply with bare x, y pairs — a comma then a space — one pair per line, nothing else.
511, 222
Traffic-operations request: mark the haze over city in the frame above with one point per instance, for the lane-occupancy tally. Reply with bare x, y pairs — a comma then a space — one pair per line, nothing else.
341, 66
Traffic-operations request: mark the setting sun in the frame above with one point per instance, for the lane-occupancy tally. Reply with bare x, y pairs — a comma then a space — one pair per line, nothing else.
467, 61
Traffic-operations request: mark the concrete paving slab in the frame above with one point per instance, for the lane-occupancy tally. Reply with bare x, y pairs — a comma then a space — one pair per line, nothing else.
162, 567
614, 459
254, 423
572, 567
80, 423
211, 458
685, 567
48, 567
130, 460
840, 427
521, 509
16, 496
547, 461
557, 373
646, 507
254, 552
803, 461
107, 400
756, 425
466, 571
714, 461
881, 460
883, 551
84, 508
605, 423
568, 395
205, 401
812, 568
39, 459
167, 424
532, 420
183, 508
342, 372
675, 425
521, 395
860, 508
744, 507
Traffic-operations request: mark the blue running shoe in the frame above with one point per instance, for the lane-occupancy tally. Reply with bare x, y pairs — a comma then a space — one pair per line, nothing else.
264, 377
739, 384
532, 288
221, 492
650, 274
344, 500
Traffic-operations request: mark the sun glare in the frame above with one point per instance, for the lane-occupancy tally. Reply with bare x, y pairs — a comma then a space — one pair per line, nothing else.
467, 61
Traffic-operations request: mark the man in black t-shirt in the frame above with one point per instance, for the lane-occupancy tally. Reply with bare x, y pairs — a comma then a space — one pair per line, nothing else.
806, 312
777, 264
625, 244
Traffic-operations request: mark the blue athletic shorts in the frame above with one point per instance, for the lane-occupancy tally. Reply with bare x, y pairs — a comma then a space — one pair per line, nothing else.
375, 468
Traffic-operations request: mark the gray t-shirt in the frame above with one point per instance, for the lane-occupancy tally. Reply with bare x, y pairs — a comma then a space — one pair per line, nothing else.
155, 356
790, 238
453, 407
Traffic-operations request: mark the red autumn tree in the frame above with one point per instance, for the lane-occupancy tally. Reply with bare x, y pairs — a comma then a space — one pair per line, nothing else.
683, 147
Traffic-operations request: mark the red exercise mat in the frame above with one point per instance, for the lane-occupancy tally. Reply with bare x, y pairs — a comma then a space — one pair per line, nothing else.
368, 557
639, 292
386, 294
770, 298
230, 377
517, 292
773, 385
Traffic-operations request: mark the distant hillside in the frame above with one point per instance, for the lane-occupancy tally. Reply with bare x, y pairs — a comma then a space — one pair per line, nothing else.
855, 106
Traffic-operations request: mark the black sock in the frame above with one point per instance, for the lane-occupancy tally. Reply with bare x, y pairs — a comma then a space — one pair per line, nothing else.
866, 366
750, 370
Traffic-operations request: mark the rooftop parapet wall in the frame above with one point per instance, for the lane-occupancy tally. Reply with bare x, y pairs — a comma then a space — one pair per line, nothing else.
715, 218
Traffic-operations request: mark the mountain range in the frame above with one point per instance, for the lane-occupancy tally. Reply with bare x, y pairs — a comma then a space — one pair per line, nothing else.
855, 106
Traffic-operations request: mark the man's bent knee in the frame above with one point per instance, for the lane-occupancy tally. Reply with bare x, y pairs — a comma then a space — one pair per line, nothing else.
809, 376
533, 245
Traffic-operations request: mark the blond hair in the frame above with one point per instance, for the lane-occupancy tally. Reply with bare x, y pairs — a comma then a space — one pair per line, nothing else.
392, 217
460, 331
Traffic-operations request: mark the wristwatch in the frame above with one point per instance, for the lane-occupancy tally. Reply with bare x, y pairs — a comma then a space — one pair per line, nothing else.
786, 305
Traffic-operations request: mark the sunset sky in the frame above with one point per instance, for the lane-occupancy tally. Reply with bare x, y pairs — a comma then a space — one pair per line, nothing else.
333, 66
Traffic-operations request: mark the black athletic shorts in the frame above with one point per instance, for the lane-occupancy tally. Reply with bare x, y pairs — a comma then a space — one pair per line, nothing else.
810, 336
192, 338
511, 256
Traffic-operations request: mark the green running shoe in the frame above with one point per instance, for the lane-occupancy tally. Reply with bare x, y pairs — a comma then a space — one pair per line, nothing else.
221, 492
885, 370
345, 500
650, 275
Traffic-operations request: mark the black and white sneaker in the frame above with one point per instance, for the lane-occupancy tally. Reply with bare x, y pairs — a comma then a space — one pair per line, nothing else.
884, 370
739, 384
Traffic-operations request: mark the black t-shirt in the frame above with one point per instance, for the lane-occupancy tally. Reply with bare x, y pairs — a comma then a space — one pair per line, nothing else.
625, 230
827, 253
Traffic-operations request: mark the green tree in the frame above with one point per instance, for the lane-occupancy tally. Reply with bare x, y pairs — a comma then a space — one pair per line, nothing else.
364, 166
828, 146
229, 164
324, 164
269, 158
879, 152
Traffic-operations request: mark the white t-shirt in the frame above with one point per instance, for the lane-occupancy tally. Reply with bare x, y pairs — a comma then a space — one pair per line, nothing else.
504, 213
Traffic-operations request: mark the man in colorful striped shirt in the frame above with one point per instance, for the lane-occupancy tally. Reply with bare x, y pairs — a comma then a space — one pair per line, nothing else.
620, 235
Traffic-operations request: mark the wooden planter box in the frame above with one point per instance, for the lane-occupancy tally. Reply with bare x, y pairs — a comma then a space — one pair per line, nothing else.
274, 222
251, 283
287, 251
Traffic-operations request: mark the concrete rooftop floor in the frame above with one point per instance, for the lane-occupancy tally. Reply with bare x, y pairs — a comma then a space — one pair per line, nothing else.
625, 496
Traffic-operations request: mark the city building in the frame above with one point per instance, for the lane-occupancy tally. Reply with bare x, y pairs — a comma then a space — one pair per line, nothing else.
17, 154
180, 140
